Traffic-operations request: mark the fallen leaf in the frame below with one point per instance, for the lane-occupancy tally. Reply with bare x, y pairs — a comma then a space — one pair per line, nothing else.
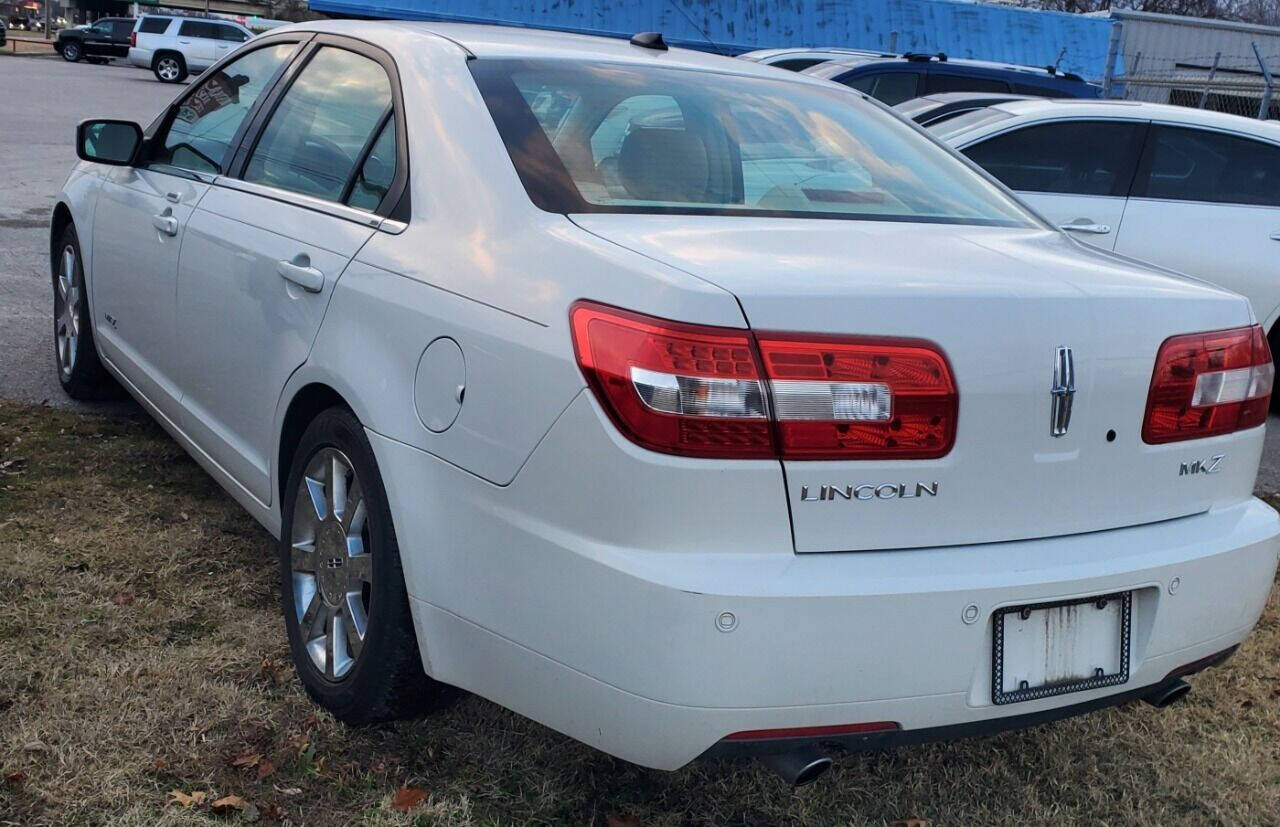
15, 778
122, 599
620, 820
265, 768
35, 746
249, 759
160, 763
406, 798
310, 722
187, 800
275, 812
227, 803
289, 790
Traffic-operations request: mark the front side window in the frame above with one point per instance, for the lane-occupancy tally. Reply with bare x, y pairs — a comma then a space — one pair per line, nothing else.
102, 27
203, 128
230, 33
1070, 157
1199, 165
322, 125
596, 137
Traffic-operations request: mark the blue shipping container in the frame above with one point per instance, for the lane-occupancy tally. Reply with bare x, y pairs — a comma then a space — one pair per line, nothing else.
732, 26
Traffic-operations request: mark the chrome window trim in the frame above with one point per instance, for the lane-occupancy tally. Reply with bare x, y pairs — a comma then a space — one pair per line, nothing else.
306, 202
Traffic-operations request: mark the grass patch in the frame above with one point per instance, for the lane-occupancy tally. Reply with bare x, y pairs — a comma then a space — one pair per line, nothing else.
142, 651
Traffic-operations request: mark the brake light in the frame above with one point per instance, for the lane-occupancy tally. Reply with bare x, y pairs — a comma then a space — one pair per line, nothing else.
1205, 384
133, 38
721, 392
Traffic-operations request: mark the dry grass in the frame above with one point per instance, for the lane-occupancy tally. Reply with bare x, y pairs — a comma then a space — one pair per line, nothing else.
142, 652
31, 43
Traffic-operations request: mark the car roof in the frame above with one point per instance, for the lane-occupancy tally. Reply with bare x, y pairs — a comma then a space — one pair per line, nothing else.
834, 67
835, 52
1085, 107
490, 41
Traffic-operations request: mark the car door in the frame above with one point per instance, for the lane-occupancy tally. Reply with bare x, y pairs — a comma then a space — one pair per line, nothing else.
1074, 172
263, 252
197, 43
226, 39
141, 219
1207, 203
120, 31
96, 39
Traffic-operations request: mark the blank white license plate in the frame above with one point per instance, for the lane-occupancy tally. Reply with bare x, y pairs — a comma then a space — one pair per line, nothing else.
1048, 649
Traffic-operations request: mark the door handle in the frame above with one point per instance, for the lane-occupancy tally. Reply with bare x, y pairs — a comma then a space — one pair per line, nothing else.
165, 222
1093, 229
1275, 236
300, 272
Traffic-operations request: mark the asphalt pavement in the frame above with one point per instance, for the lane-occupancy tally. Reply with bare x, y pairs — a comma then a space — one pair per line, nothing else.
44, 100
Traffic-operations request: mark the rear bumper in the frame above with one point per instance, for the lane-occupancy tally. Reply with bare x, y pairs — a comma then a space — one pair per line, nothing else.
632, 650
140, 57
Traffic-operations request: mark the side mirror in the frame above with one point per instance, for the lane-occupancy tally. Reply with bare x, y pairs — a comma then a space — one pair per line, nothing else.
106, 141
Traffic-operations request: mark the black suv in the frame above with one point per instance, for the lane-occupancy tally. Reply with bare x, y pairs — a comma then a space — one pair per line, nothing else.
105, 39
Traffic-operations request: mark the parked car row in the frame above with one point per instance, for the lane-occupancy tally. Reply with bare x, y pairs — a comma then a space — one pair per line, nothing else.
692, 408
171, 47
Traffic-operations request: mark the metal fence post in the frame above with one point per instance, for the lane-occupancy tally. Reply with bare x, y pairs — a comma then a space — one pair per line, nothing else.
1204, 96
1113, 49
1265, 109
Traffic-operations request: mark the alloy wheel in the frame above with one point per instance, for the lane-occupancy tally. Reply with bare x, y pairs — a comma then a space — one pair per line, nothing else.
167, 68
332, 570
71, 52
67, 312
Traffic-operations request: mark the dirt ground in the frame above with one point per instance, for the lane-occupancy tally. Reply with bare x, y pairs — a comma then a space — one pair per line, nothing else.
144, 676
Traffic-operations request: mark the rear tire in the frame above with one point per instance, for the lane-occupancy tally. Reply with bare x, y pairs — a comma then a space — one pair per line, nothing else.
342, 587
169, 67
75, 353
71, 52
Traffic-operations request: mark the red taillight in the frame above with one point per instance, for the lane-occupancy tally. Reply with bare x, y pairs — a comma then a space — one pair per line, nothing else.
133, 38
1205, 384
721, 392
856, 398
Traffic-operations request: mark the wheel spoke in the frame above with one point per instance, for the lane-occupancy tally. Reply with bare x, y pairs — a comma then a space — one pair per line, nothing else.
313, 619
353, 512
354, 627
304, 557
359, 570
330, 644
316, 489
338, 487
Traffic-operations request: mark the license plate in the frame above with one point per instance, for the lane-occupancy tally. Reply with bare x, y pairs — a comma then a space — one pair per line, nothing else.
1048, 649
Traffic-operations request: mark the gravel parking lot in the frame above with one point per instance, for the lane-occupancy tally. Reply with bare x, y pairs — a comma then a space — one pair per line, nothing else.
127, 680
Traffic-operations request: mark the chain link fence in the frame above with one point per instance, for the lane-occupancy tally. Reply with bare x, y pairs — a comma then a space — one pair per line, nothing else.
1239, 84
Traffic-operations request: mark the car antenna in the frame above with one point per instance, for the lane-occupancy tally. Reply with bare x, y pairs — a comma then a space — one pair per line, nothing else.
649, 40
714, 46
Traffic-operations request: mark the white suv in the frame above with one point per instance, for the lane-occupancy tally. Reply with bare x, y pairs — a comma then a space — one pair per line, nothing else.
173, 47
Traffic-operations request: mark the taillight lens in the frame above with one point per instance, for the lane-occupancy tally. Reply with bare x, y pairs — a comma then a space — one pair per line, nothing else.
855, 398
1205, 384
721, 392
133, 38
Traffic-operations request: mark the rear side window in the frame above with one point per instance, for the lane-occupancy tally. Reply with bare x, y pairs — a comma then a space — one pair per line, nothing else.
122, 28
945, 82
1071, 157
378, 171
889, 87
1041, 91
230, 33
320, 129
198, 28
1199, 165
154, 25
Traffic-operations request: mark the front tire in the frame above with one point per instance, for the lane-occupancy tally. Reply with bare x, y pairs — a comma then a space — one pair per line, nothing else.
169, 67
75, 353
342, 586
71, 52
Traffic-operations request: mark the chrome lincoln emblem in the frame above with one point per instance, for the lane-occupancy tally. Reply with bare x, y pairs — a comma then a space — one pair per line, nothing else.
1064, 388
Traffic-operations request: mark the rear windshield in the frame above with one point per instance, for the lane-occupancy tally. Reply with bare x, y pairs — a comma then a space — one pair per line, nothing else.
598, 137
944, 129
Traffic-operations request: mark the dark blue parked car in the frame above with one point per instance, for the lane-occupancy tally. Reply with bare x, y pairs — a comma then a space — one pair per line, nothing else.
896, 79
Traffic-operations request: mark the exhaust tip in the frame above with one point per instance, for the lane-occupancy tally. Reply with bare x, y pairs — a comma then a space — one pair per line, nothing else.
798, 768
1168, 694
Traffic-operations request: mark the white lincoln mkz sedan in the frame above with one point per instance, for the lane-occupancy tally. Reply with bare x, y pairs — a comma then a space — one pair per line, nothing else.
687, 406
